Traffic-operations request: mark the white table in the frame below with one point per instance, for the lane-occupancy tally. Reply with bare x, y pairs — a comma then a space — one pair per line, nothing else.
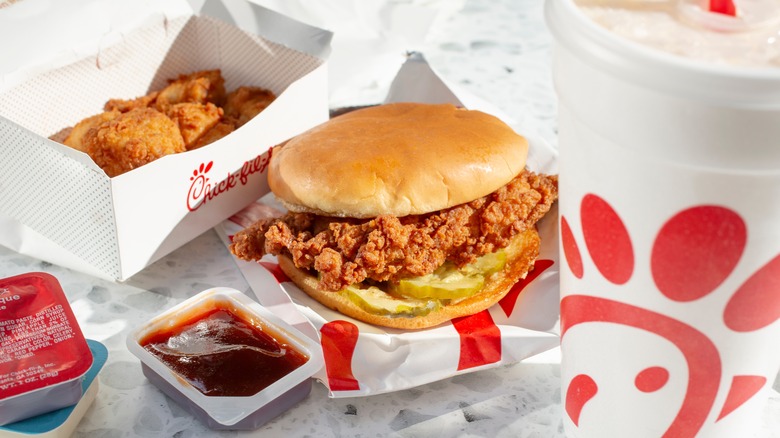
499, 51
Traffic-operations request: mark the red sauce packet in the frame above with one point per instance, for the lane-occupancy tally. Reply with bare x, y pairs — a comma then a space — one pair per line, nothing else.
41, 344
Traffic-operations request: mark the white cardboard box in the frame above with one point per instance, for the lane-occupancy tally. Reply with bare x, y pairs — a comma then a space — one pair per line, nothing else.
57, 205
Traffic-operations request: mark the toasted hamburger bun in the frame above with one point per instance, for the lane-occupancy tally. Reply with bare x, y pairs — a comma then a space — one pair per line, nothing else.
521, 254
399, 159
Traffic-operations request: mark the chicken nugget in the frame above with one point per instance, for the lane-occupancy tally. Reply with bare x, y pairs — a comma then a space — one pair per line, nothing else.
75, 138
199, 87
133, 139
124, 106
194, 119
218, 131
244, 103
61, 135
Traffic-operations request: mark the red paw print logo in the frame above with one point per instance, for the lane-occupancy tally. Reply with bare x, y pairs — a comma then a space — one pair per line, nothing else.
692, 254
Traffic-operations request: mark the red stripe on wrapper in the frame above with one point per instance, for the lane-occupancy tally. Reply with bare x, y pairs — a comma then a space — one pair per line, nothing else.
480, 340
508, 302
339, 339
277, 272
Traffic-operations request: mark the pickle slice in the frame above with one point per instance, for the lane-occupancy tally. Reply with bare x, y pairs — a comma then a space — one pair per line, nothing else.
378, 302
449, 283
446, 284
487, 264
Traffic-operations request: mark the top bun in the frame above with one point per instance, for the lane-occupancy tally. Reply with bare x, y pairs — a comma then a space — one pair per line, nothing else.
399, 159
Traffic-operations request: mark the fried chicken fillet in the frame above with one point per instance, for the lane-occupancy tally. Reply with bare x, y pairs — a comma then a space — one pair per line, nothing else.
388, 248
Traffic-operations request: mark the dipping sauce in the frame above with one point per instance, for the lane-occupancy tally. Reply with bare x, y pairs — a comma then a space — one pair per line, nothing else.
43, 353
221, 354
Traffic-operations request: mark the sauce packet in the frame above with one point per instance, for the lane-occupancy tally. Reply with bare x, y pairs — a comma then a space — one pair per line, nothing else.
43, 354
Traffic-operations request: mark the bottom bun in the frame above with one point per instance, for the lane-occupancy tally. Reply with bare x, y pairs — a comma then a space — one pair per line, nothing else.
521, 254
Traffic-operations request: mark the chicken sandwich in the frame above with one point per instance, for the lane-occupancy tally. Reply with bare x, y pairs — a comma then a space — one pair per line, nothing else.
404, 215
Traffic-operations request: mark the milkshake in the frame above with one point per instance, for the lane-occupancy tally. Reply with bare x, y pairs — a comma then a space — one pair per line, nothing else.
687, 29
669, 126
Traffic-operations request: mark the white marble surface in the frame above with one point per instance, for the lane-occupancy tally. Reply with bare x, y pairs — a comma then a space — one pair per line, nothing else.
499, 50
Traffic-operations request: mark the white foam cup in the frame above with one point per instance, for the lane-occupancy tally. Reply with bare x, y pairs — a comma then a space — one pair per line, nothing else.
670, 234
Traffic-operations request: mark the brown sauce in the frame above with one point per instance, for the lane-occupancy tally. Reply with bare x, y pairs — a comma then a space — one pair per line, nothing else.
221, 354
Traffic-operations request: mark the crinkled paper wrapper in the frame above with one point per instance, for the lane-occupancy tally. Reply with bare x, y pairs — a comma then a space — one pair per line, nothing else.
363, 359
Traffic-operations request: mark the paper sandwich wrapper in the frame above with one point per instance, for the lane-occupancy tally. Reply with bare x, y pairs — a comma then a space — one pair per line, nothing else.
362, 359
57, 205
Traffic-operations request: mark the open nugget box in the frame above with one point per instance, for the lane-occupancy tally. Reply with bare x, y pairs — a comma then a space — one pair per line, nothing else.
362, 359
57, 205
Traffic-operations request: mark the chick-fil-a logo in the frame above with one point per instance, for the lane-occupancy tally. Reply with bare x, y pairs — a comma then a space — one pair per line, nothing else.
203, 190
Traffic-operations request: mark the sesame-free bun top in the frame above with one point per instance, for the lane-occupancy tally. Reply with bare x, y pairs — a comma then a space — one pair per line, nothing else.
398, 159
